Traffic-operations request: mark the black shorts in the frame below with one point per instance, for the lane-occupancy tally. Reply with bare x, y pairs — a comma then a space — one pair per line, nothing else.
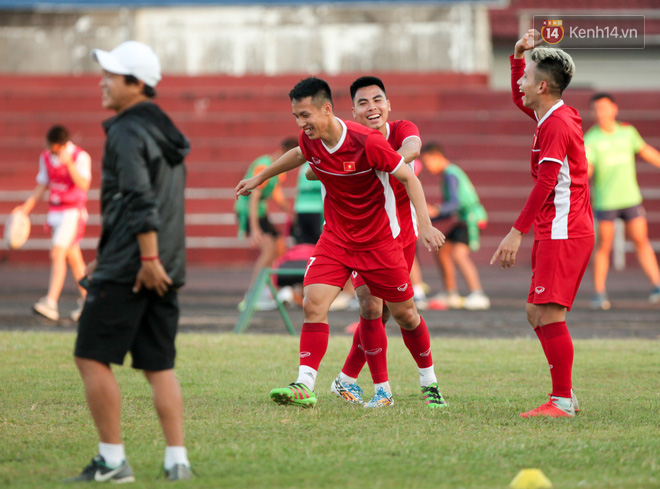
307, 228
266, 227
458, 234
627, 214
116, 321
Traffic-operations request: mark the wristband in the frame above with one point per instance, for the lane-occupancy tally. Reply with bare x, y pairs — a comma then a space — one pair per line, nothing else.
149, 258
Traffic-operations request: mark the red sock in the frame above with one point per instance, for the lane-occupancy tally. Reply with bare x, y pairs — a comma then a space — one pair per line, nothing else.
355, 360
313, 344
418, 342
374, 343
559, 352
539, 335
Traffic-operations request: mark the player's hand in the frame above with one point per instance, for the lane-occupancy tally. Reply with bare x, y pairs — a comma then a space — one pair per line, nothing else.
89, 269
432, 238
65, 157
152, 276
529, 41
244, 187
257, 236
508, 249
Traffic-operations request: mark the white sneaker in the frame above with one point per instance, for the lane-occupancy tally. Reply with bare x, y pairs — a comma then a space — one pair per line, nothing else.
47, 308
452, 300
476, 301
285, 295
75, 314
341, 302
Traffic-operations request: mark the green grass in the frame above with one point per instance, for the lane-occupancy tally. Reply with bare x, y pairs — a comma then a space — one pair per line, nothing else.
238, 438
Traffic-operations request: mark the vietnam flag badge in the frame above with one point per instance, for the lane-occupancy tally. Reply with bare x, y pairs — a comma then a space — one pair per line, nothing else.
349, 166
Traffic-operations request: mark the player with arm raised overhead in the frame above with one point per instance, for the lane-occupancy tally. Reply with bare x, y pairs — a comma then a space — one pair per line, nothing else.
558, 207
360, 223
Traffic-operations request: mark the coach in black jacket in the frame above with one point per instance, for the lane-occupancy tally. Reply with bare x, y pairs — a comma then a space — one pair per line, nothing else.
132, 303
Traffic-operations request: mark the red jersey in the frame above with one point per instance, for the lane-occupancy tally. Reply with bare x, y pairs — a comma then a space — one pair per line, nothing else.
359, 203
397, 133
565, 211
63, 192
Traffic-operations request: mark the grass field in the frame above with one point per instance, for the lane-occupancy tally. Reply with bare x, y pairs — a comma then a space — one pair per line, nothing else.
238, 438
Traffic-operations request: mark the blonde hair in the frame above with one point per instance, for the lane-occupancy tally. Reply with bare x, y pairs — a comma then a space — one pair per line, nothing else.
556, 65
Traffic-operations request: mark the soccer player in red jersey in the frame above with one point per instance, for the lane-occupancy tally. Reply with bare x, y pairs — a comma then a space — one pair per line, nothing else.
371, 108
353, 163
558, 207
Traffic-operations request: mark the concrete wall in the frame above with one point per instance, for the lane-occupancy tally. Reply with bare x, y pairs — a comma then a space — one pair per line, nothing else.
256, 40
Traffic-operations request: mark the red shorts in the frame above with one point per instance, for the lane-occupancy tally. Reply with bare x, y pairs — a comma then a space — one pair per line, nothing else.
384, 270
558, 266
408, 254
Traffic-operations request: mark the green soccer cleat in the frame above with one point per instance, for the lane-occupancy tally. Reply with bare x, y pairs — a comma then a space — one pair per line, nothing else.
297, 394
432, 397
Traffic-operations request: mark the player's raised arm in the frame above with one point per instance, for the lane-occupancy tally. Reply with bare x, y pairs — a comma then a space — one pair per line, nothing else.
288, 161
431, 237
529, 41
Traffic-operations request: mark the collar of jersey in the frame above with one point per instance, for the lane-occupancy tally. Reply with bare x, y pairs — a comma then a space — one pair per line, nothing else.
549, 113
341, 139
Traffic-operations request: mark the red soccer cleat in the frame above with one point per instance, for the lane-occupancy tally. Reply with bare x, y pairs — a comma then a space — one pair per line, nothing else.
550, 409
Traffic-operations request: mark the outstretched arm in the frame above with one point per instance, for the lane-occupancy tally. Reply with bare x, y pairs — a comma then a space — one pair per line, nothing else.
431, 237
651, 155
288, 161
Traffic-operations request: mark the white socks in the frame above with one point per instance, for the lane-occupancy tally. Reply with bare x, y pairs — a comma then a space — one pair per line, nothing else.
385, 386
307, 376
113, 455
427, 376
175, 456
345, 379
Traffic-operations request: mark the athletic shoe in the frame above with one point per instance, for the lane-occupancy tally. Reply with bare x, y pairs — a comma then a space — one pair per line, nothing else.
285, 295
551, 409
341, 302
576, 404
476, 301
350, 329
75, 314
381, 399
432, 397
47, 308
654, 298
437, 304
348, 392
421, 303
601, 301
98, 471
179, 472
297, 394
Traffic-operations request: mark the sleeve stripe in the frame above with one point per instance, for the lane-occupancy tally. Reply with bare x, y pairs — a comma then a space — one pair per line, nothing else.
551, 159
398, 166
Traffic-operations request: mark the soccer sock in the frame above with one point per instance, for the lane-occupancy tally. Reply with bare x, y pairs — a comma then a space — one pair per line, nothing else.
355, 360
418, 343
427, 376
385, 386
313, 345
539, 335
374, 343
175, 456
346, 379
113, 454
559, 352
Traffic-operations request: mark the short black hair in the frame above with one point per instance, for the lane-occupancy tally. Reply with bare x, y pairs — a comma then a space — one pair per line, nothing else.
433, 147
597, 96
148, 91
57, 135
366, 81
312, 87
288, 143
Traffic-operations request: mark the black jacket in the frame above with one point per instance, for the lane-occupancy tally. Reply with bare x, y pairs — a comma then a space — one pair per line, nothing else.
142, 189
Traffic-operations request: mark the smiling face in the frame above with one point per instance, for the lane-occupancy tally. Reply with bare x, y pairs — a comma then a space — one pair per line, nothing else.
529, 86
118, 95
371, 107
312, 116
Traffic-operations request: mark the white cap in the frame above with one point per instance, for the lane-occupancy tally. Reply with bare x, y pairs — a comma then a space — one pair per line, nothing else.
131, 58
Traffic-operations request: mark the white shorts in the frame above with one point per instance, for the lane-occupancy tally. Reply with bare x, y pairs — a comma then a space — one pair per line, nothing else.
65, 226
